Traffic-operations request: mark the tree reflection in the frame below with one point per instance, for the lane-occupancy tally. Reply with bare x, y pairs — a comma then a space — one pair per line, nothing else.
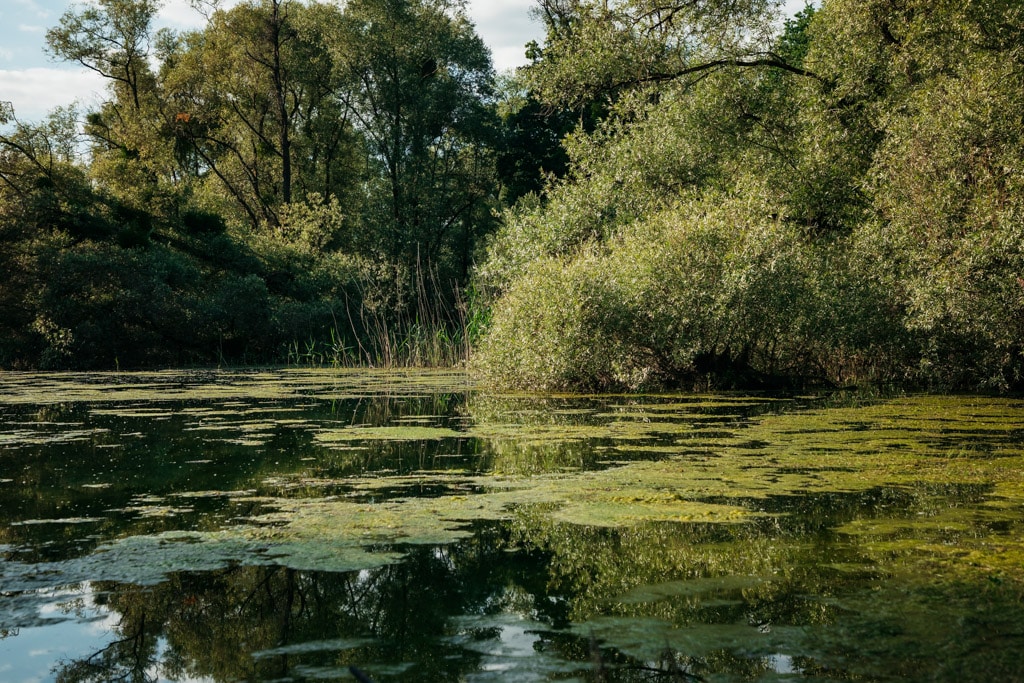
650, 602
835, 584
255, 623
397, 622
132, 657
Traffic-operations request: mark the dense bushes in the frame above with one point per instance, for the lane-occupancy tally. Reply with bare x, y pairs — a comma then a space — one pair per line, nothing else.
838, 202
98, 305
853, 214
712, 292
189, 289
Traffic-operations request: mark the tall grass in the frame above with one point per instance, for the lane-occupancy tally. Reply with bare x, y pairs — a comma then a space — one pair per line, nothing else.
429, 324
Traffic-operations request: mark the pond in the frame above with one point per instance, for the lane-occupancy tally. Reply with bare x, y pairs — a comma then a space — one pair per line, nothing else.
290, 525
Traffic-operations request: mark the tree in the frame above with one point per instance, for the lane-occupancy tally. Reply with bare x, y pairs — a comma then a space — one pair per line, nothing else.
112, 38
416, 79
256, 106
844, 192
45, 199
597, 48
939, 87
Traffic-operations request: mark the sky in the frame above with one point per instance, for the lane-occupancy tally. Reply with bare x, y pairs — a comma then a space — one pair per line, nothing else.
35, 84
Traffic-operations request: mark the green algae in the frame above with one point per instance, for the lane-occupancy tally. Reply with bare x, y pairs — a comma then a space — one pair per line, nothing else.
592, 501
29, 437
702, 460
314, 646
740, 531
65, 520
158, 387
335, 534
400, 433
148, 560
903, 441
149, 413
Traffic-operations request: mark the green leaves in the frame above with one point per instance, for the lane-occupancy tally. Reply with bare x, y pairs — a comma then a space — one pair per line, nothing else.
110, 37
850, 212
416, 79
601, 49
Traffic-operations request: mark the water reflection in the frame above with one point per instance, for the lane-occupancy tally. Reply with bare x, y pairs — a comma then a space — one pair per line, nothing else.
77, 473
260, 623
537, 600
725, 538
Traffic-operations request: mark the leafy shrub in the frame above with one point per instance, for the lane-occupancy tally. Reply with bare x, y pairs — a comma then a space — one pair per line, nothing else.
715, 292
101, 306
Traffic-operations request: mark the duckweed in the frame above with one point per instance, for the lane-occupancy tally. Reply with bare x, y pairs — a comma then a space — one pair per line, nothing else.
750, 536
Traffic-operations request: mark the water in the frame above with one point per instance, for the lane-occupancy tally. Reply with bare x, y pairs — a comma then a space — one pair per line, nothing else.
287, 525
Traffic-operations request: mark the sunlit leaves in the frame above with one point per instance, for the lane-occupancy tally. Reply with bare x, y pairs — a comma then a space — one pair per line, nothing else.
597, 49
881, 176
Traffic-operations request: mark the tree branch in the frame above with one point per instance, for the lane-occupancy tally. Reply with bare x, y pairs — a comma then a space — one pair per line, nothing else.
769, 60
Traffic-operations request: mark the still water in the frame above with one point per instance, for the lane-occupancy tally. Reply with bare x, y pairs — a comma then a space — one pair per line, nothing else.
288, 525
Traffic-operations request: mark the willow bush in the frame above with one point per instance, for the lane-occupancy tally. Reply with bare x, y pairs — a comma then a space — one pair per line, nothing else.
839, 202
712, 292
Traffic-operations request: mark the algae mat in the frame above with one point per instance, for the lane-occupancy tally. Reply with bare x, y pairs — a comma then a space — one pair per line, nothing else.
286, 524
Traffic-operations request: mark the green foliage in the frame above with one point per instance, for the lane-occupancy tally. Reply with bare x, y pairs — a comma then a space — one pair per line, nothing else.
292, 174
417, 79
945, 180
792, 46
843, 208
251, 107
531, 149
597, 49
713, 291
112, 38
685, 193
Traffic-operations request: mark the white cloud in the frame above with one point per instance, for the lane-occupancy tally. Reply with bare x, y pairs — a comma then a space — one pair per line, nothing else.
487, 10
30, 28
6, 54
506, 27
34, 7
34, 92
791, 7
179, 14
508, 57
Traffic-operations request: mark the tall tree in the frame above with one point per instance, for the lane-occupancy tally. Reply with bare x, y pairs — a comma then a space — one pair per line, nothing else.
417, 79
110, 37
115, 39
255, 102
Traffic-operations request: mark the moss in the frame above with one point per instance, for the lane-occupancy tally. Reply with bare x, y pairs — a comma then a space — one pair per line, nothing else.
618, 463
402, 433
163, 387
795, 455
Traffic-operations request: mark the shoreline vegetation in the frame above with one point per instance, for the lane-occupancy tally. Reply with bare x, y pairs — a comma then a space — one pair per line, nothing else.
669, 196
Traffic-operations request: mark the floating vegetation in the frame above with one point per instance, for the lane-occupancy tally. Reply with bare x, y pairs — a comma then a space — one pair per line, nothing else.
750, 536
312, 646
28, 437
243, 387
402, 433
65, 520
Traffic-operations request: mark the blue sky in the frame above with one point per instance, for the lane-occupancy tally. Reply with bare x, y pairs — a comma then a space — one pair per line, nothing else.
35, 84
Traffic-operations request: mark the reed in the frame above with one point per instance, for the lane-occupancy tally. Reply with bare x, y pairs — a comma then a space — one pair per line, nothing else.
427, 324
